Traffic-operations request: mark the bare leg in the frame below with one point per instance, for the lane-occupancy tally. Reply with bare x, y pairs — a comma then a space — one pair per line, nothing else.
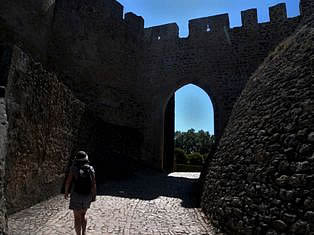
77, 221
83, 221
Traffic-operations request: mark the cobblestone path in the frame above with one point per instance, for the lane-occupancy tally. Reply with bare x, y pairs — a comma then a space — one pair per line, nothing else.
147, 203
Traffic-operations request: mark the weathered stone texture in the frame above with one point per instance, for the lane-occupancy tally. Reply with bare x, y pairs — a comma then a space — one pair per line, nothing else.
96, 52
30, 22
126, 74
124, 77
47, 124
306, 8
260, 181
3, 142
215, 57
44, 121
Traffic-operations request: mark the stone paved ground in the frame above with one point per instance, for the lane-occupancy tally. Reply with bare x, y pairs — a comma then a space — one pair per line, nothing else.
147, 203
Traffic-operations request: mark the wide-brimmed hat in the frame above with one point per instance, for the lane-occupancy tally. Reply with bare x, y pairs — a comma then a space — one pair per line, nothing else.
81, 156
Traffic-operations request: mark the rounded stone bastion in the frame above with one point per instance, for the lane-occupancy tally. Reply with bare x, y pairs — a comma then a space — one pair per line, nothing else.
261, 178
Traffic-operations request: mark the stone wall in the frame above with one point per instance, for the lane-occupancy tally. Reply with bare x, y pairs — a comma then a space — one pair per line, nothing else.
47, 125
3, 140
91, 47
114, 151
30, 21
123, 75
168, 145
215, 57
44, 121
5, 61
96, 51
260, 181
127, 74
5, 55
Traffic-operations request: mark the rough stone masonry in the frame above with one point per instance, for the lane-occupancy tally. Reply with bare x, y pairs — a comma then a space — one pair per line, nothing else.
3, 139
75, 72
261, 178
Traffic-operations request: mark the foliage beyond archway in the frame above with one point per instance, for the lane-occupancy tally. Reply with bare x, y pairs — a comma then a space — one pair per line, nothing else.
192, 149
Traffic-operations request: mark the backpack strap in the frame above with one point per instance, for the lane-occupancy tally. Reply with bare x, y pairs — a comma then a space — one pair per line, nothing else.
89, 169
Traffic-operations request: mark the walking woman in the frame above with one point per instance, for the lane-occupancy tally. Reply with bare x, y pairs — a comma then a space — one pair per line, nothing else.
83, 190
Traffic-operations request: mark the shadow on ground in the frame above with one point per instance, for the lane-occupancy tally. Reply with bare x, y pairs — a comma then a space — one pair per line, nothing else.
149, 184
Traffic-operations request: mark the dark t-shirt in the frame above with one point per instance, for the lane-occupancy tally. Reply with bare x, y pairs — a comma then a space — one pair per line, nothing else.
75, 171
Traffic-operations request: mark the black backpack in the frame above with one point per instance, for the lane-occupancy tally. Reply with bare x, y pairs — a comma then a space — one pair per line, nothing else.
83, 183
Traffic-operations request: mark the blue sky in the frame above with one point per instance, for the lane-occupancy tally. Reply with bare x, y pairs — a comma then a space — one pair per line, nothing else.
193, 107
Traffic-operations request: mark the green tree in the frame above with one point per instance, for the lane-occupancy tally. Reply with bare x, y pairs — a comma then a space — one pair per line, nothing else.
180, 156
195, 159
194, 142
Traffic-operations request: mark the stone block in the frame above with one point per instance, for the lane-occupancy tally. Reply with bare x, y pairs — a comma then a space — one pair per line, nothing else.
278, 13
214, 23
249, 18
162, 32
3, 152
306, 8
134, 22
116, 10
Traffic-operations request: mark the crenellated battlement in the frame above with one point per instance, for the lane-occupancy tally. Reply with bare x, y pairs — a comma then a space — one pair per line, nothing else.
162, 32
115, 8
99, 8
218, 23
123, 76
306, 8
221, 23
134, 22
278, 13
249, 18
209, 24
109, 8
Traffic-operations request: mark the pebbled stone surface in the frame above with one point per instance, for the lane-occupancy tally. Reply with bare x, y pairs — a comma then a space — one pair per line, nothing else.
147, 203
260, 179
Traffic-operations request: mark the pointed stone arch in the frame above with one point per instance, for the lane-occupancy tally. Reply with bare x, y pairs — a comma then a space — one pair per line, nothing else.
169, 119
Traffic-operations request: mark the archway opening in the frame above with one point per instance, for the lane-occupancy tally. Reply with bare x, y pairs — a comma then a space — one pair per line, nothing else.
188, 129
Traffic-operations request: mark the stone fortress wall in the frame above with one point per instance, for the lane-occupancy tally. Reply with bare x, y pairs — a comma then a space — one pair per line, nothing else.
215, 57
29, 23
3, 138
121, 76
260, 179
47, 125
44, 126
38, 172
127, 74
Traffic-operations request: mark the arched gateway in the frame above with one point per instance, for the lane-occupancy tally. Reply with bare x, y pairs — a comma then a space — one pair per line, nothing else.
169, 127
110, 80
219, 61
